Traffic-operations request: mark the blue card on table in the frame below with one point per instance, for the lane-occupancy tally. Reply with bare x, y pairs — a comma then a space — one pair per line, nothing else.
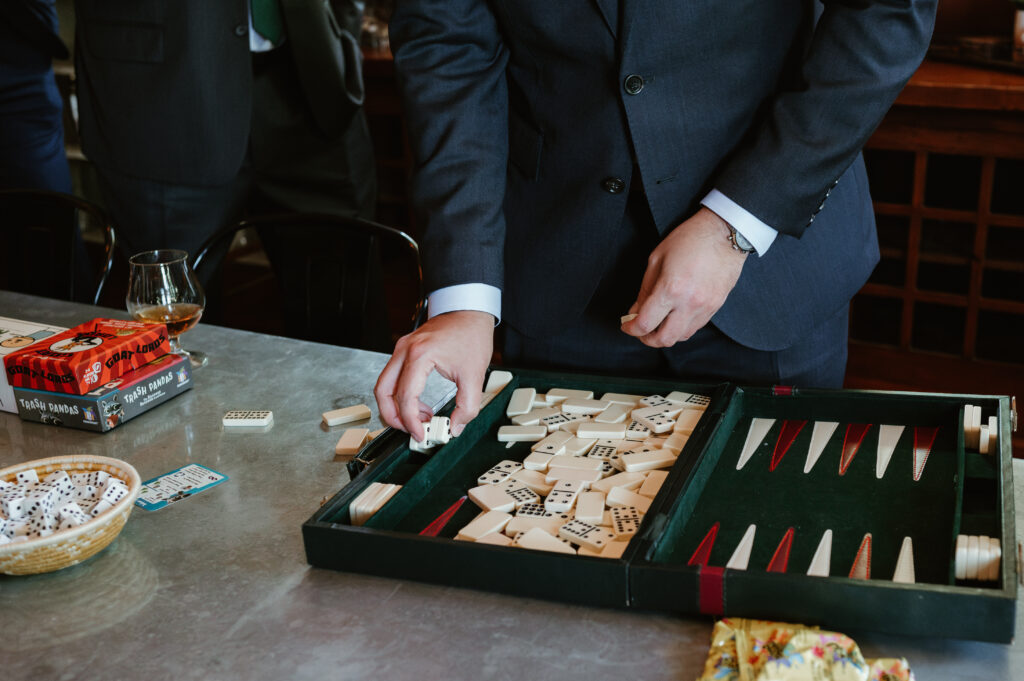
177, 485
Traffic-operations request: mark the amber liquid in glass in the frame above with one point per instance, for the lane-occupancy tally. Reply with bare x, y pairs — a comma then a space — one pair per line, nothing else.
179, 317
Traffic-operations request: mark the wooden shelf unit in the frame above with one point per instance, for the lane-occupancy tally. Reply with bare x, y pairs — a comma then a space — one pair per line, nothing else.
944, 310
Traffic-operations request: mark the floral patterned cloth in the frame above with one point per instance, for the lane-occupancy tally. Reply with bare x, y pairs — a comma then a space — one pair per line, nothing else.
755, 650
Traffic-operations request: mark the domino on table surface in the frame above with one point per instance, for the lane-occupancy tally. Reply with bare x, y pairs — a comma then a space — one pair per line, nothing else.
337, 417
247, 418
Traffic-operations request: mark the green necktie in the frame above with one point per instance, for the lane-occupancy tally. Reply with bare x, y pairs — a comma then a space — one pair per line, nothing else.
267, 19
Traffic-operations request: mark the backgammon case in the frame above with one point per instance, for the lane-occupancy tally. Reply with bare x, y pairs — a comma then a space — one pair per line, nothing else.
959, 492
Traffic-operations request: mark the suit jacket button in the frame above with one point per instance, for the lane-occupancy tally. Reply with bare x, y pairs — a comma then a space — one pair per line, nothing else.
613, 185
633, 84
241, 30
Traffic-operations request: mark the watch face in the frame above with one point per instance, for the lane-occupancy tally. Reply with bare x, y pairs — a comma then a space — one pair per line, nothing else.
743, 244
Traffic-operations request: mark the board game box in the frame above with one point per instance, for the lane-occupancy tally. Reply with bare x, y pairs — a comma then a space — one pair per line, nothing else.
112, 403
86, 356
847, 509
14, 335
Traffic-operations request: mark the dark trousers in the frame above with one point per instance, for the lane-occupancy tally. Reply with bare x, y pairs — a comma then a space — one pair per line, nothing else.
595, 344
290, 166
31, 131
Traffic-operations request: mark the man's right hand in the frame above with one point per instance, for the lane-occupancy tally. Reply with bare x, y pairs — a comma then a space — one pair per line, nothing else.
459, 346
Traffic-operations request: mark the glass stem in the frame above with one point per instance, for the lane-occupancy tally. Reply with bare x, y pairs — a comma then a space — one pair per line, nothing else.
175, 345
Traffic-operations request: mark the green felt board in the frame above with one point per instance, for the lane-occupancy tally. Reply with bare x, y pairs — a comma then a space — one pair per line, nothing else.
453, 469
850, 505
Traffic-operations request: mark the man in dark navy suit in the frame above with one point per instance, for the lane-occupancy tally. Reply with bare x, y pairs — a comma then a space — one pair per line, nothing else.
31, 123
694, 163
192, 115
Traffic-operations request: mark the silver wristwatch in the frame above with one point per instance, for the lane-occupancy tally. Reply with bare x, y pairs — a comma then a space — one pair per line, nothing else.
738, 241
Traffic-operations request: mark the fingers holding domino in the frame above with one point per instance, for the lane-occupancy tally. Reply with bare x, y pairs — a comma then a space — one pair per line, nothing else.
458, 345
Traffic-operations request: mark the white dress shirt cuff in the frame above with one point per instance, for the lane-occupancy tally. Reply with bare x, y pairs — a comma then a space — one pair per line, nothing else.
760, 235
480, 297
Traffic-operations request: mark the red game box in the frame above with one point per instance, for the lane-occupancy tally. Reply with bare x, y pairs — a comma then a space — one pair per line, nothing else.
86, 356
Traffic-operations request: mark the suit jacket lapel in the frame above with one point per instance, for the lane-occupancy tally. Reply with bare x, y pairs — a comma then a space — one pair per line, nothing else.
629, 10
610, 13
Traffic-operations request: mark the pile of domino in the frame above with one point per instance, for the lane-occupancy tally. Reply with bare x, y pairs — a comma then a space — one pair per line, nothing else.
370, 500
32, 507
977, 437
593, 469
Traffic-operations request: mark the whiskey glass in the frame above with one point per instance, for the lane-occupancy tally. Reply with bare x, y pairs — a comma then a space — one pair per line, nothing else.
163, 288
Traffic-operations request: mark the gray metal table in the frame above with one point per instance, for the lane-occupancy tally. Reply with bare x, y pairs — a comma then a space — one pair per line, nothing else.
217, 587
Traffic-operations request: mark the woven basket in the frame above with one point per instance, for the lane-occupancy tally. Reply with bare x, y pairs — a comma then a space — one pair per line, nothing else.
73, 545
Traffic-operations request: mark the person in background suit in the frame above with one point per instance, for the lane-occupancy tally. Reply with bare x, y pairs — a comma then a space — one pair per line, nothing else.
31, 124
193, 116
695, 163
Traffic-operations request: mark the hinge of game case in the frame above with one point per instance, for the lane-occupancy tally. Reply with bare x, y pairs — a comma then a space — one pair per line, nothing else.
1013, 414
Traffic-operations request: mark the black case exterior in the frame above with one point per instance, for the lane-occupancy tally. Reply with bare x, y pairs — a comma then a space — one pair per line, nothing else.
653, 574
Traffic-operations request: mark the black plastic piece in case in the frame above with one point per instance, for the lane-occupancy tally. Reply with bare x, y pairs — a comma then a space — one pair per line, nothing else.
959, 492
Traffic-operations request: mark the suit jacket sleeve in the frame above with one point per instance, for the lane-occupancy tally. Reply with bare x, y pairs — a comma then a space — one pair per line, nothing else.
861, 54
450, 62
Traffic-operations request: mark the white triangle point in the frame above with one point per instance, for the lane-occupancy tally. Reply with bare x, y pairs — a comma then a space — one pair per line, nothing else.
755, 436
822, 433
741, 556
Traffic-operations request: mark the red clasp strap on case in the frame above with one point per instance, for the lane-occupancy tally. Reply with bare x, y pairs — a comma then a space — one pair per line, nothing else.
783, 390
712, 590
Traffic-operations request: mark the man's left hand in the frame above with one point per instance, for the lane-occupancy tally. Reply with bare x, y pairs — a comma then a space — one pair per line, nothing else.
689, 275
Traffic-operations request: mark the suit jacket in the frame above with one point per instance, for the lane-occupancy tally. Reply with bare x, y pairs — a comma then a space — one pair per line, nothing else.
28, 35
165, 86
519, 111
